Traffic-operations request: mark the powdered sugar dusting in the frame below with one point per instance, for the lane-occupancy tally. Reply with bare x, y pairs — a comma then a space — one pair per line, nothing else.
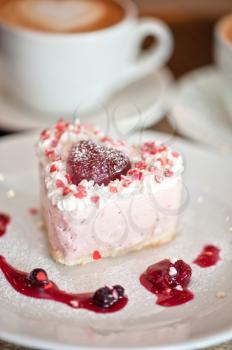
81, 153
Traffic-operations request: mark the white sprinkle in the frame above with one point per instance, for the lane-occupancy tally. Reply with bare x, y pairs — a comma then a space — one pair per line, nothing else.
220, 295
172, 271
200, 199
227, 219
179, 287
2, 177
74, 303
10, 194
115, 294
173, 260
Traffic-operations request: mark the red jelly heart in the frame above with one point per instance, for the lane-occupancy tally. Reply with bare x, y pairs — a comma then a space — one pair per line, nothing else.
90, 161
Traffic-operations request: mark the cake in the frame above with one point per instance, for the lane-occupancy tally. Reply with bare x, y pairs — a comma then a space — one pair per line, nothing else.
102, 198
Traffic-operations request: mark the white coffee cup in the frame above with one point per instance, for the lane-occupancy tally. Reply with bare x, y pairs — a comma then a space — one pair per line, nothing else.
56, 73
223, 57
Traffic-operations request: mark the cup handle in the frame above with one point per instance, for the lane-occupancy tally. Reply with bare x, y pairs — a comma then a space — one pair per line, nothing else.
155, 57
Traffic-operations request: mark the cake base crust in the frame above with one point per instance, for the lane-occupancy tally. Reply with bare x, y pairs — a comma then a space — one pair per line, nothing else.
58, 256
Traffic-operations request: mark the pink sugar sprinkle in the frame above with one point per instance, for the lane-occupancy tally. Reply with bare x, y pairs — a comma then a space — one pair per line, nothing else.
45, 134
59, 183
149, 147
95, 199
141, 165
175, 154
162, 149
126, 182
168, 173
136, 174
54, 143
53, 168
169, 162
49, 153
81, 192
113, 189
66, 191
33, 211
159, 178
133, 172
106, 139
96, 255
60, 125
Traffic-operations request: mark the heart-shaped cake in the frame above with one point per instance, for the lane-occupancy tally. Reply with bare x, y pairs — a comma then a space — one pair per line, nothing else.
102, 197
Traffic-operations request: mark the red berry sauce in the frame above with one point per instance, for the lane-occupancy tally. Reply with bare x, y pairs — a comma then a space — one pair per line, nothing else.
4, 222
169, 281
90, 161
209, 256
37, 285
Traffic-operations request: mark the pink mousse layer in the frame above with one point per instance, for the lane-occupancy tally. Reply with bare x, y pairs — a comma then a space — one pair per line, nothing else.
122, 225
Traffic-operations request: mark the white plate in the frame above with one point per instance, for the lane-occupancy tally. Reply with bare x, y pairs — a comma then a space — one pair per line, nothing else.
142, 324
141, 104
198, 109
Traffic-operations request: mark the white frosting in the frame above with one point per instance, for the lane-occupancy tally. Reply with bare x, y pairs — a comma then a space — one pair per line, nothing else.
60, 15
69, 202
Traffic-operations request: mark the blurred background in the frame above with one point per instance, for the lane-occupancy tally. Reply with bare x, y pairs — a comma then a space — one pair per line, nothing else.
192, 23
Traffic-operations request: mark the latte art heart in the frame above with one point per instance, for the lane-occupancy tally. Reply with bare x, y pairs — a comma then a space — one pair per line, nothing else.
62, 16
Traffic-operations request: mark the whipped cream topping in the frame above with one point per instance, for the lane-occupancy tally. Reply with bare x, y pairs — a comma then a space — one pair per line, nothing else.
155, 167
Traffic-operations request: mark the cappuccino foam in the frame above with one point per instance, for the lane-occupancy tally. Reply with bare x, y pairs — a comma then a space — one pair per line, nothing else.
62, 16
226, 28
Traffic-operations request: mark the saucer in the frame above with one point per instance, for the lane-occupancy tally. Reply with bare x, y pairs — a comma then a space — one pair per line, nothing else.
198, 110
139, 105
142, 324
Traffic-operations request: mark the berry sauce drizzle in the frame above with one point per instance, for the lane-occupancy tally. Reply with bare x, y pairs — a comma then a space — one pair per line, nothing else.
37, 285
209, 256
4, 222
169, 282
